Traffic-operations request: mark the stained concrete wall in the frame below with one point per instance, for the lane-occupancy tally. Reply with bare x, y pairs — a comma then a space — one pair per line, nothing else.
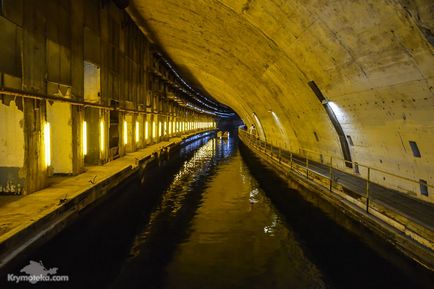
372, 59
80, 51
59, 117
11, 148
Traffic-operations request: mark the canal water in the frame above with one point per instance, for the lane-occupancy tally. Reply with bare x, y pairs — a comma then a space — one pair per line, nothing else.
213, 218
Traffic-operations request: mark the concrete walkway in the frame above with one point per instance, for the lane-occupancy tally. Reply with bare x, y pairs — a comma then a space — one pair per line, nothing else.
416, 210
22, 217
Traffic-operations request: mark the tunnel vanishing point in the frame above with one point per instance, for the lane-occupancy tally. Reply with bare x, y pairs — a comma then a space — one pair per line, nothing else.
333, 89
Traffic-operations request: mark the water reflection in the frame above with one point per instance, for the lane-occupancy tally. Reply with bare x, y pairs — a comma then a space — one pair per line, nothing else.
254, 196
236, 244
175, 196
272, 227
169, 224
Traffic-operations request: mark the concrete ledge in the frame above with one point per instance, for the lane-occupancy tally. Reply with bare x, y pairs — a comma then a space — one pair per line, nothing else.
31, 220
410, 237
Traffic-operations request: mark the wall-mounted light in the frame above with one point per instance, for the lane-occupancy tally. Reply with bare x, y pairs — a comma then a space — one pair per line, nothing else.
101, 136
47, 144
276, 118
336, 109
334, 113
137, 131
146, 130
125, 132
159, 128
84, 138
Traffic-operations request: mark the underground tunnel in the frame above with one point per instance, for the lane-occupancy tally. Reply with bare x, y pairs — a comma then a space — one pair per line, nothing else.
216, 144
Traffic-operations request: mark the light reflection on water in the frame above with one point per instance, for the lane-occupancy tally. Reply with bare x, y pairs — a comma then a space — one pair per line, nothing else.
176, 193
238, 241
231, 235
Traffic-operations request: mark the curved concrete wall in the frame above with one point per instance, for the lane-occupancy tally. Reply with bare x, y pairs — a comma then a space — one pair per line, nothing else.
372, 59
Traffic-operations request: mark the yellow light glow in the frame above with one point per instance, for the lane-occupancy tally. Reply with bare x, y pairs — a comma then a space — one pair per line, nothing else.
154, 130
125, 132
101, 136
338, 111
47, 144
137, 131
84, 137
146, 130
159, 128
170, 127
165, 128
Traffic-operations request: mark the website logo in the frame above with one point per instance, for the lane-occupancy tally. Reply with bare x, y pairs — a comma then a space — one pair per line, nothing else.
36, 272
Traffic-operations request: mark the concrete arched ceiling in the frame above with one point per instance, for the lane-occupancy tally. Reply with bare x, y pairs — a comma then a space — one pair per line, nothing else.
373, 59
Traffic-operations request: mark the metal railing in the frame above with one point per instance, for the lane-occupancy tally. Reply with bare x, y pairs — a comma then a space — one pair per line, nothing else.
304, 164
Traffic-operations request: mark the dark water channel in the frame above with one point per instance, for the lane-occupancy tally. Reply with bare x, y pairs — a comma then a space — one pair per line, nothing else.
213, 218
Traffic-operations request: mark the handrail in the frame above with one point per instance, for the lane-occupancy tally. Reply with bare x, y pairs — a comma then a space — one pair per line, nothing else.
364, 166
370, 169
